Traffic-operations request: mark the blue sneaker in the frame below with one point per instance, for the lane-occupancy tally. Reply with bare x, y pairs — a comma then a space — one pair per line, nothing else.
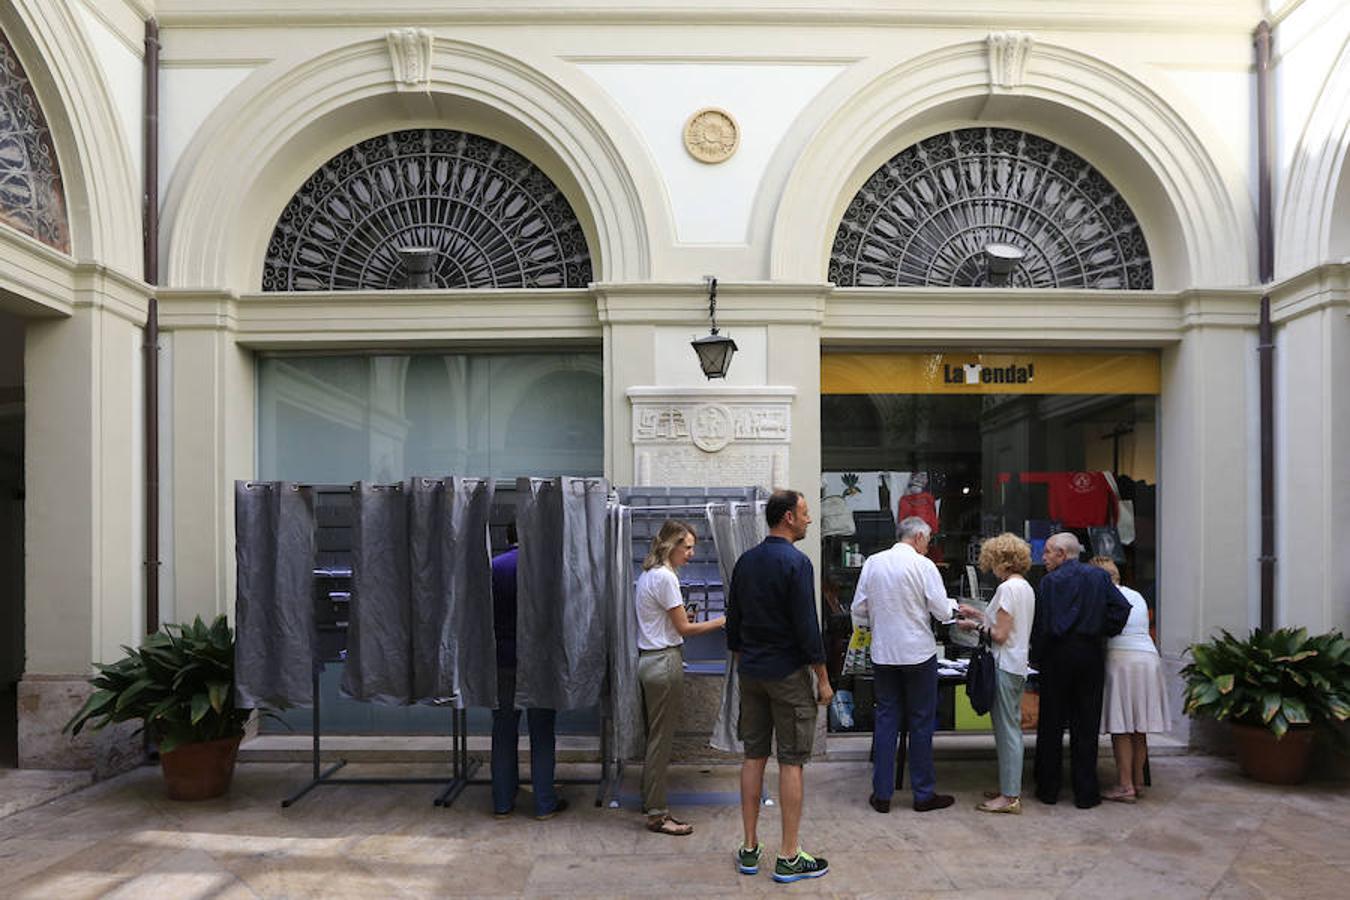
804, 866
747, 859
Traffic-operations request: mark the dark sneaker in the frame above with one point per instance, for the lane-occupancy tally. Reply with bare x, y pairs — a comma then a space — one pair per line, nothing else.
804, 866
558, 807
881, 806
747, 859
937, 801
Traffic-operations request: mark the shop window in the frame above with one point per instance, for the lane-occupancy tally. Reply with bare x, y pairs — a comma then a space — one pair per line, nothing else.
332, 420
978, 444
487, 216
31, 195
383, 418
988, 207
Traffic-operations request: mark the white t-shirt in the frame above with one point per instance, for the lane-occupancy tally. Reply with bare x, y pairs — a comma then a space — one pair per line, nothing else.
1017, 597
1135, 634
658, 591
897, 591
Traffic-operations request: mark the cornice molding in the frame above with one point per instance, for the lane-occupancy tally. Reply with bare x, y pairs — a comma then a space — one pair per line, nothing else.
686, 303
411, 318
1129, 318
185, 309
97, 286
1324, 287
1146, 15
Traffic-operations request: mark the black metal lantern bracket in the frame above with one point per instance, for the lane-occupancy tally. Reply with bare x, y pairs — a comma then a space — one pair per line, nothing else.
714, 350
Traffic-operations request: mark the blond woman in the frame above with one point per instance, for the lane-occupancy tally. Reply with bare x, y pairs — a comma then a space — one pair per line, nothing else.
663, 624
1008, 621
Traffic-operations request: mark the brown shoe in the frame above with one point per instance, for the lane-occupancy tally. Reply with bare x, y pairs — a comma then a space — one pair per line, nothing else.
937, 801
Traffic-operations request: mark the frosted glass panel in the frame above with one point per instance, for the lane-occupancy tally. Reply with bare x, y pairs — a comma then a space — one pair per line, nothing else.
334, 419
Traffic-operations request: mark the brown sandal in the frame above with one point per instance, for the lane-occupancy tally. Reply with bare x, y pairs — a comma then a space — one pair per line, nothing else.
668, 825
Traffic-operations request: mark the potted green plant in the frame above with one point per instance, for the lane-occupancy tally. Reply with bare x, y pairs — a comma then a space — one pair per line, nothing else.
1274, 687
180, 685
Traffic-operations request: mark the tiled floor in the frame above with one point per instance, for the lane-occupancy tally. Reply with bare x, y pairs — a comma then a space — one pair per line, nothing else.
1203, 831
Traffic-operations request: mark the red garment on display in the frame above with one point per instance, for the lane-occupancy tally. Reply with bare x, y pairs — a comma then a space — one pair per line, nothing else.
1077, 499
922, 505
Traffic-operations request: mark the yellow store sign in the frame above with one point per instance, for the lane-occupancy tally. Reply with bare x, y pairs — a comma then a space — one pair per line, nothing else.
990, 373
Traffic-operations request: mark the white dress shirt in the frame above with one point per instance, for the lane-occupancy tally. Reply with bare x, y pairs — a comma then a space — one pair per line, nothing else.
897, 591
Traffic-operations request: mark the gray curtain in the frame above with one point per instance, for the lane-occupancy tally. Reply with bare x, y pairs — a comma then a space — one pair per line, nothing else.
563, 586
450, 572
274, 596
379, 648
625, 696
735, 528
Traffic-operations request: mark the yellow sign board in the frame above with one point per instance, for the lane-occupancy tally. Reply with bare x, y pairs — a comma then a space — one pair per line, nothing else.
956, 373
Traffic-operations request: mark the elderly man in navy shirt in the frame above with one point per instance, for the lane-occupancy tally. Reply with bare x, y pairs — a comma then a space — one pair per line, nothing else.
1077, 608
773, 629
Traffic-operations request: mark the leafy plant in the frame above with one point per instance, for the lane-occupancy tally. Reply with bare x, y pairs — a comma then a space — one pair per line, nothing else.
179, 683
1272, 680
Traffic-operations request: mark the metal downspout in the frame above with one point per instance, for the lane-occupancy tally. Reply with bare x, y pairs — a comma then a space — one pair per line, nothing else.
150, 347
1266, 339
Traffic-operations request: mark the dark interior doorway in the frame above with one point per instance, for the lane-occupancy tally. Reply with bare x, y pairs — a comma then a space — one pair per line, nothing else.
11, 532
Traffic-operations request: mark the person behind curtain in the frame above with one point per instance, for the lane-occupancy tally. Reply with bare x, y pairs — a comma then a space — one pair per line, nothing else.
1068, 641
506, 718
1008, 620
898, 590
1134, 698
663, 624
773, 629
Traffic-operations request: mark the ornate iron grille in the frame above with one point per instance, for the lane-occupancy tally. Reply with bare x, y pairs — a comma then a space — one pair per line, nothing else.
31, 194
927, 215
492, 218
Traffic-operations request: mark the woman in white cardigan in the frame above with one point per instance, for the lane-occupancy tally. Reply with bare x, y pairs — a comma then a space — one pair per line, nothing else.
1134, 697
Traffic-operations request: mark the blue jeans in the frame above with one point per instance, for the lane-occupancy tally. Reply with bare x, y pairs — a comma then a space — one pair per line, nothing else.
908, 693
505, 741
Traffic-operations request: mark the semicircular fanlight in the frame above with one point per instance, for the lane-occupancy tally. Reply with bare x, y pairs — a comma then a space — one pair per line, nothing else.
930, 214
490, 217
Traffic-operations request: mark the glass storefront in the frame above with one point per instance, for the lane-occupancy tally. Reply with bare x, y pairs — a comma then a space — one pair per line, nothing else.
977, 444
338, 419
332, 420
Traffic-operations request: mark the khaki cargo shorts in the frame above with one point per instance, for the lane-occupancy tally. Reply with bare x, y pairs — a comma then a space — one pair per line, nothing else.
785, 707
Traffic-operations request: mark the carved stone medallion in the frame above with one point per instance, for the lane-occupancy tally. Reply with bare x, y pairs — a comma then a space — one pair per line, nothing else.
711, 135
711, 427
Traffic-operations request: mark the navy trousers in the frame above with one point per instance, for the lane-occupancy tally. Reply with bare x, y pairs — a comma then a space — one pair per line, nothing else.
909, 694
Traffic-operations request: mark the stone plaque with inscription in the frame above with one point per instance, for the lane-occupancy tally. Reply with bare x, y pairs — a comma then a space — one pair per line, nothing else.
721, 437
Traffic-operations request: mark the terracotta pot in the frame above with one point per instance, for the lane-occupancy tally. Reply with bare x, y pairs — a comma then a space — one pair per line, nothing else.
200, 771
1263, 757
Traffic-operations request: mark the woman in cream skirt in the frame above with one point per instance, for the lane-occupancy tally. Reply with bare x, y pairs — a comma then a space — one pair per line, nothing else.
1134, 699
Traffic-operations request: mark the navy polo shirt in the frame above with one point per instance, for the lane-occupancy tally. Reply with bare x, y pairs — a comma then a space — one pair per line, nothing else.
771, 611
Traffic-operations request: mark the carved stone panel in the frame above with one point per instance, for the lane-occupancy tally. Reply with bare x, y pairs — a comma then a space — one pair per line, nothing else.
726, 437
711, 135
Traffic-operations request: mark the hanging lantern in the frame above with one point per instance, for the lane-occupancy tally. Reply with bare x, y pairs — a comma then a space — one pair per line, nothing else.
714, 350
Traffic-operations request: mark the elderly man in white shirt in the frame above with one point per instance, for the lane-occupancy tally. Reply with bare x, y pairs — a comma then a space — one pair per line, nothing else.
897, 591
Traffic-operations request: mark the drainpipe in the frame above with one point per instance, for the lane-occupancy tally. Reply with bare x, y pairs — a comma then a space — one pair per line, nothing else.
1265, 347
150, 219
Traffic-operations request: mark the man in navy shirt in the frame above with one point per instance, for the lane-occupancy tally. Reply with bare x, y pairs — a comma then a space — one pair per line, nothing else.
1074, 617
773, 629
506, 718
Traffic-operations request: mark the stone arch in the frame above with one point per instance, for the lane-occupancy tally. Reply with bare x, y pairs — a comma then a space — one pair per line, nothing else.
1194, 214
287, 119
1313, 220
99, 177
